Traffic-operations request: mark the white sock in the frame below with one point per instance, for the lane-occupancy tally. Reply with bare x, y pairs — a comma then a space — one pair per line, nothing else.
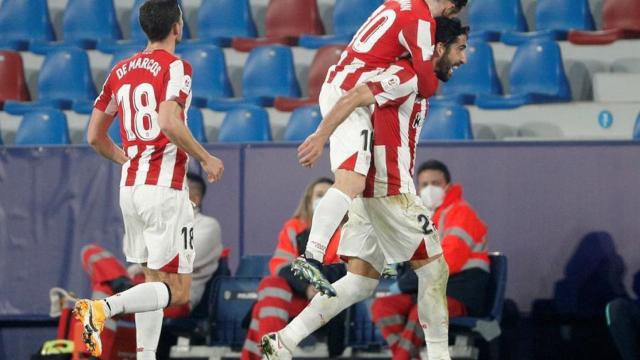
351, 289
432, 307
326, 219
148, 327
145, 297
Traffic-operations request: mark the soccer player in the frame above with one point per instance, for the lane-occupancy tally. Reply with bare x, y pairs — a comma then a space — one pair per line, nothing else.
389, 224
151, 93
397, 28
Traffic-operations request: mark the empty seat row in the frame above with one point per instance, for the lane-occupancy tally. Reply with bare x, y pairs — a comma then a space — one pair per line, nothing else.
559, 20
91, 24
244, 124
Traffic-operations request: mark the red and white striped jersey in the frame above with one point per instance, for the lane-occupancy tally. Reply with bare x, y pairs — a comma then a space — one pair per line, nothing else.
134, 90
398, 28
398, 116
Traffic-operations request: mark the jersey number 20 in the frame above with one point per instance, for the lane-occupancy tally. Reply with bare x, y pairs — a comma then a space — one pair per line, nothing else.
145, 122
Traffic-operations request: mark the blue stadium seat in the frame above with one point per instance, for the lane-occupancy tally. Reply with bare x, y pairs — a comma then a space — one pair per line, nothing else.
195, 122
536, 76
220, 30
302, 123
1, 142
490, 18
636, 128
554, 19
488, 327
64, 80
85, 24
137, 38
268, 73
114, 131
477, 76
43, 127
233, 300
245, 124
447, 122
348, 16
24, 21
211, 80
253, 266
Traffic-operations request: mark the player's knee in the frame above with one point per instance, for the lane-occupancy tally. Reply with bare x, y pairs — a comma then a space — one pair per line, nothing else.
179, 296
350, 183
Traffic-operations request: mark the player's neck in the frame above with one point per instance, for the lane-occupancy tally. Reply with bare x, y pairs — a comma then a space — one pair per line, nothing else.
168, 45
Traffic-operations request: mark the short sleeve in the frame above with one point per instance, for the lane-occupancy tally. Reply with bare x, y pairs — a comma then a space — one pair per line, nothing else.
178, 82
393, 86
106, 101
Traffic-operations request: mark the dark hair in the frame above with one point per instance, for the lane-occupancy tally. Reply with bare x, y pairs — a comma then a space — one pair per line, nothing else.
459, 3
198, 180
448, 30
157, 17
433, 164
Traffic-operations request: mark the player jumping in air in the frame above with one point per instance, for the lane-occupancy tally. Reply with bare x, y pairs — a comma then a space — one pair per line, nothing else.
389, 224
397, 28
151, 93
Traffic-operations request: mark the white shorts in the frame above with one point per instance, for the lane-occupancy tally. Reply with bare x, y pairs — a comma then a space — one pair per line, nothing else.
158, 223
389, 230
351, 142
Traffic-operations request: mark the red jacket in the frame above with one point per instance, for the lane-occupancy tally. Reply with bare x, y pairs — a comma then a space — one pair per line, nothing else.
287, 248
463, 234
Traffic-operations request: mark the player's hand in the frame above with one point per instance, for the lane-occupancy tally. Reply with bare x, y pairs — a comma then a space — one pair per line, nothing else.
311, 150
213, 167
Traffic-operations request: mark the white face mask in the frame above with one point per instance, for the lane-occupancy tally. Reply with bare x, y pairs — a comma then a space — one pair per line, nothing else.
432, 197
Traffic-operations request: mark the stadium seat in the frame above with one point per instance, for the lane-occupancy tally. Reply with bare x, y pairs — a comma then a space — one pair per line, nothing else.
220, 30
269, 72
234, 298
195, 122
620, 20
477, 76
488, 327
43, 127
536, 76
253, 266
348, 16
554, 19
322, 61
137, 39
245, 124
211, 80
447, 122
14, 85
285, 22
490, 18
302, 123
85, 23
64, 80
24, 21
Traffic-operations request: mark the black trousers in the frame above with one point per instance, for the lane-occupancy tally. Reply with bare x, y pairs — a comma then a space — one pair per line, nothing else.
623, 317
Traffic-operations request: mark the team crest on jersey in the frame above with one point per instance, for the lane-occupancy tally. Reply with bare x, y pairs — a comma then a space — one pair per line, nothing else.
390, 83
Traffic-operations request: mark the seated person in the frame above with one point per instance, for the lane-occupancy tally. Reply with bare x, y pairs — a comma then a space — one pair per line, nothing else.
464, 245
281, 295
623, 318
108, 275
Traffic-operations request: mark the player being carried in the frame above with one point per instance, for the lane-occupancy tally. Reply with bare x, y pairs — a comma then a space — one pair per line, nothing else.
397, 28
389, 224
151, 93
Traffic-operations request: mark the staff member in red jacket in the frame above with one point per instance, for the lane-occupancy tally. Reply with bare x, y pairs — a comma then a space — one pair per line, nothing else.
281, 296
464, 245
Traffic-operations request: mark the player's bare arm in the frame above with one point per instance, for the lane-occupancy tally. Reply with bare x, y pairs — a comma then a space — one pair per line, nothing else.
311, 149
175, 129
98, 138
